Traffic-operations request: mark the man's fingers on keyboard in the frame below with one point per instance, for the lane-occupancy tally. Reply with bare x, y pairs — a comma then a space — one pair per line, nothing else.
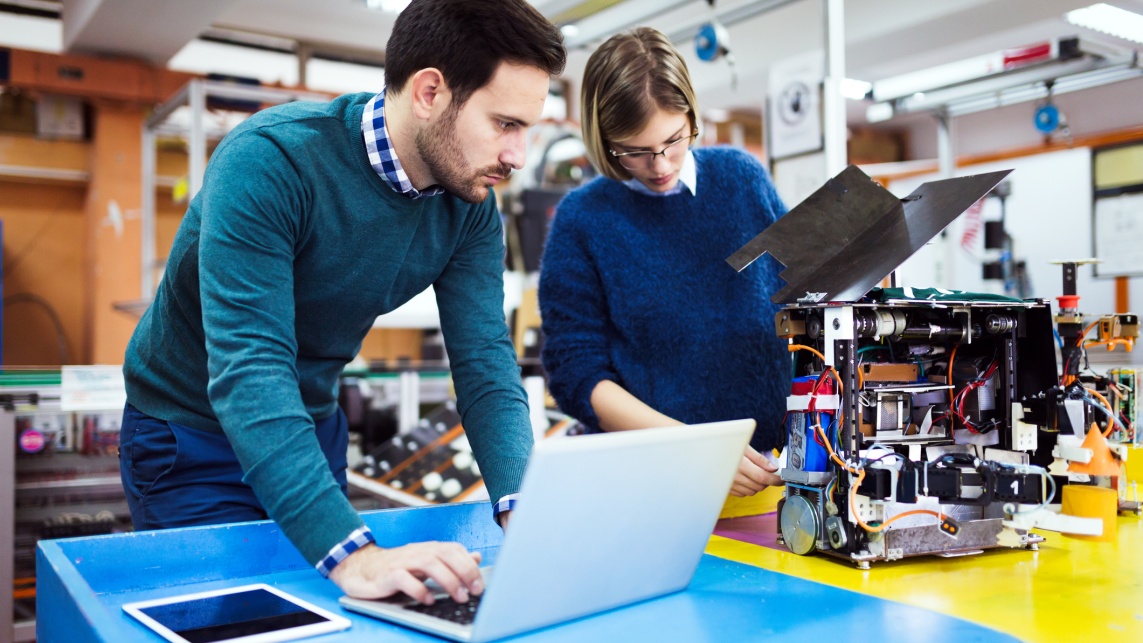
440, 572
407, 584
464, 566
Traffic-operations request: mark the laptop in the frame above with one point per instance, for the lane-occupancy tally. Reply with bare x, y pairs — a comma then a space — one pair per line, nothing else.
603, 521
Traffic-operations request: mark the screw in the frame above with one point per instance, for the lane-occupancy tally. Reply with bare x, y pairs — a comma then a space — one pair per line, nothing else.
837, 324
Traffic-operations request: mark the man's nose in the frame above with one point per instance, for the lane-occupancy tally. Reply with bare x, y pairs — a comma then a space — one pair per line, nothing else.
513, 155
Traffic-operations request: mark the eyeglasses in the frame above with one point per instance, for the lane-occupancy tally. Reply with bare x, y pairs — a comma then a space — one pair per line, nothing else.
672, 151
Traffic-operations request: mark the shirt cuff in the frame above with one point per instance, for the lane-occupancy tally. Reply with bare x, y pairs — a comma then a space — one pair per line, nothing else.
507, 503
356, 540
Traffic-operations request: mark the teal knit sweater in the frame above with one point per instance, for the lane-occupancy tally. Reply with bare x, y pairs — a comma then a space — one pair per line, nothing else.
283, 260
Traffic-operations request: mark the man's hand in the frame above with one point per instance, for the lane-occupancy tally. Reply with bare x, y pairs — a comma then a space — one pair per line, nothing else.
373, 572
755, 473
503, 518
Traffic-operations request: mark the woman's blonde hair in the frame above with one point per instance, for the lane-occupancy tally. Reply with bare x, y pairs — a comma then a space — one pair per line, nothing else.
626, 80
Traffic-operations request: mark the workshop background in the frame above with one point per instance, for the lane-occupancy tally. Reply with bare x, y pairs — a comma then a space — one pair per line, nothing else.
109, 110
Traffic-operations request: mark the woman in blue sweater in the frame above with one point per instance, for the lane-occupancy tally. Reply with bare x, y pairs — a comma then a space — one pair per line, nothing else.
645, 324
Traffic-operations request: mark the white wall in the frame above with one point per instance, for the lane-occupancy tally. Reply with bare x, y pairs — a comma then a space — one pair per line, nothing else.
1049, 219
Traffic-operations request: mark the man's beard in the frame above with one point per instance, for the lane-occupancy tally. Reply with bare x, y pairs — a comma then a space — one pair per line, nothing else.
441, 153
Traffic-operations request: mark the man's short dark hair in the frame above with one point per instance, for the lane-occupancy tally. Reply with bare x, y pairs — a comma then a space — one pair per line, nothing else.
467, 40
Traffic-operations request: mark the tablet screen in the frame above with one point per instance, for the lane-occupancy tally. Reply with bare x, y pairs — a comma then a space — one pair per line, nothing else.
230, 616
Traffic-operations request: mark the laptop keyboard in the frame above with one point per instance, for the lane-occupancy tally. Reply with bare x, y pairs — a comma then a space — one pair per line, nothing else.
449, 610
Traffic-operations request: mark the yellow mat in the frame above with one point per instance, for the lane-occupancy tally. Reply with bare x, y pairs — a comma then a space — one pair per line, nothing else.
1069, 591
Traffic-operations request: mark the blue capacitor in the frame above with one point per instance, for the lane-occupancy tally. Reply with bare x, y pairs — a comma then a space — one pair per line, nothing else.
804, 452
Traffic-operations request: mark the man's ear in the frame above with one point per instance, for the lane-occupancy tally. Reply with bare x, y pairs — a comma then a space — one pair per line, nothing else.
429, 93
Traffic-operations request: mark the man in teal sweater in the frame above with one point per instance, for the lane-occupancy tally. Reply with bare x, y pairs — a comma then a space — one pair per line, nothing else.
314, 219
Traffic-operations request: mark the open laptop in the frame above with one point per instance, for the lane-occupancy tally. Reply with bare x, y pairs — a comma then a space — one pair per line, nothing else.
603, 521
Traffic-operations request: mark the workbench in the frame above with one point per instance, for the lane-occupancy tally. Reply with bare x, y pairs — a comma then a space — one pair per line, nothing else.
83, 583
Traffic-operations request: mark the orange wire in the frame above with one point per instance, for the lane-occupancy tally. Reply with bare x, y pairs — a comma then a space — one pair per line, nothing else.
952, 388
832, 454
803, 347
1111, 344
882, 526
1110, 409
1086, 331
853, 490
952, 391
859, 472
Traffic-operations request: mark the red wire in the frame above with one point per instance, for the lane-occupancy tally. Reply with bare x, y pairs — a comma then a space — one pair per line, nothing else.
960, 398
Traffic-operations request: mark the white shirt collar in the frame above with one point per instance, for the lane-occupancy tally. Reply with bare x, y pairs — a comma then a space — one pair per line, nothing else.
687, 180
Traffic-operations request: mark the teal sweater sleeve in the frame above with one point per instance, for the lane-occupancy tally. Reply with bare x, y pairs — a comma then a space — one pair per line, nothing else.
491, 401
246, 281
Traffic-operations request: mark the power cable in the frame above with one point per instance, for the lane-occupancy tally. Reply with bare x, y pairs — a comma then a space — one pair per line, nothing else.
29, 298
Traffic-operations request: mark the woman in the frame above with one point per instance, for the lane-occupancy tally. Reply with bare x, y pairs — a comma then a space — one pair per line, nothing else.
645, 323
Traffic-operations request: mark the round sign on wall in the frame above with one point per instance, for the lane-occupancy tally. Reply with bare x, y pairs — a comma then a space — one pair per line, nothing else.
32, 441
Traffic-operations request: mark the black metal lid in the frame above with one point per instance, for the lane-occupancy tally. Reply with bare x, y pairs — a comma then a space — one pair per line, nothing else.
851, 233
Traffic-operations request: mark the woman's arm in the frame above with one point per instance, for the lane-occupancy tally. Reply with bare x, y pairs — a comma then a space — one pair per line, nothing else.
619, 410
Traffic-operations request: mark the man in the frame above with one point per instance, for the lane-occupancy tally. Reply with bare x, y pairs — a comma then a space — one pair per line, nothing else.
313, 219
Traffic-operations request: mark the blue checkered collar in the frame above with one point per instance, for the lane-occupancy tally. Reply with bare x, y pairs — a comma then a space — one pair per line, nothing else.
382, 156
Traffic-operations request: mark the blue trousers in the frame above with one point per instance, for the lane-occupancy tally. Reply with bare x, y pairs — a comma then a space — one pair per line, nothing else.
177, 476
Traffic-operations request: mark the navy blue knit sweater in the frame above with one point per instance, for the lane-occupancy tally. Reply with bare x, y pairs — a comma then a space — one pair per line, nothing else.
635, 289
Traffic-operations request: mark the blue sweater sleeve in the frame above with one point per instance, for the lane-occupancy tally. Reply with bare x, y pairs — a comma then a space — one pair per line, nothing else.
490, 398
249, 232
574, 316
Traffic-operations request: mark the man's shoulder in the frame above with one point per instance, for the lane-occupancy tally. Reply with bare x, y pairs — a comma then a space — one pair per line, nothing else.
299, 117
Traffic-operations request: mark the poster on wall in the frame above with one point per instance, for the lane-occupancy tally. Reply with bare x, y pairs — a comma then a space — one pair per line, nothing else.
798, 177
1118, 223
794, 96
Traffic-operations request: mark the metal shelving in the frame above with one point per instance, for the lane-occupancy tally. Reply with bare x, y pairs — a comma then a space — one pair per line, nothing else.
60, 473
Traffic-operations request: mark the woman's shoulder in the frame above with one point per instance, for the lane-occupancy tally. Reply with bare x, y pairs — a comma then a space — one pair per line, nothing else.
728, 157
589, 198
731, 165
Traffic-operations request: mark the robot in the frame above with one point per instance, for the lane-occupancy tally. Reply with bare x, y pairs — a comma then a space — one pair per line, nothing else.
920, 421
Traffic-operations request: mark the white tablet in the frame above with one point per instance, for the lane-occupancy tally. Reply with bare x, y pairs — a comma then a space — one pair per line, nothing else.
247, 614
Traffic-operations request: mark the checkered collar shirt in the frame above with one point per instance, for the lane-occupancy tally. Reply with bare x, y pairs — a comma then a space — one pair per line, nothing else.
382, 156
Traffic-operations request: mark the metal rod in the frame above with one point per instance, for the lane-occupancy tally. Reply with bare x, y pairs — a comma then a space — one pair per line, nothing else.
164, 111
833, 103
409, 402
7, 521
196, 140
147, 218
728, 17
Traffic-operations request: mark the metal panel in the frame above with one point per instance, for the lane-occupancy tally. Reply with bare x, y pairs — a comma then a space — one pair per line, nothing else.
7, 518
851, 233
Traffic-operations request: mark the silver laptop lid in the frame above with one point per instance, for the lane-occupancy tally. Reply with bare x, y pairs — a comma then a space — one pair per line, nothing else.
606, 520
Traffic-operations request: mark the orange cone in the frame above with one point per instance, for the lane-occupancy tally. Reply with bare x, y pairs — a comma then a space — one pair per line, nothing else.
1102, 462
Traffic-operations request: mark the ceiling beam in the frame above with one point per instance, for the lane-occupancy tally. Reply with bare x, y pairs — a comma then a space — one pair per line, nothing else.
105, 27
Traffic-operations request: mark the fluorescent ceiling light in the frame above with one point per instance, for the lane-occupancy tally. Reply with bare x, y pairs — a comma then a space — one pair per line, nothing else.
392, 6
30, 32
616, 17
1110, 20
855, 89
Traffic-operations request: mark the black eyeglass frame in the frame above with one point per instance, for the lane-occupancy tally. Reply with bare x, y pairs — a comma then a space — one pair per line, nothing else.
650, 156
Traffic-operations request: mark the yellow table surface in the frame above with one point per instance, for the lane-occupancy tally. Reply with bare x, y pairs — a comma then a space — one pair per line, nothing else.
1070, 590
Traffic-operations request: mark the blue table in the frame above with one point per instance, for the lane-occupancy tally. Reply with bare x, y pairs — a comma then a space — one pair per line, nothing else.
83, 583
